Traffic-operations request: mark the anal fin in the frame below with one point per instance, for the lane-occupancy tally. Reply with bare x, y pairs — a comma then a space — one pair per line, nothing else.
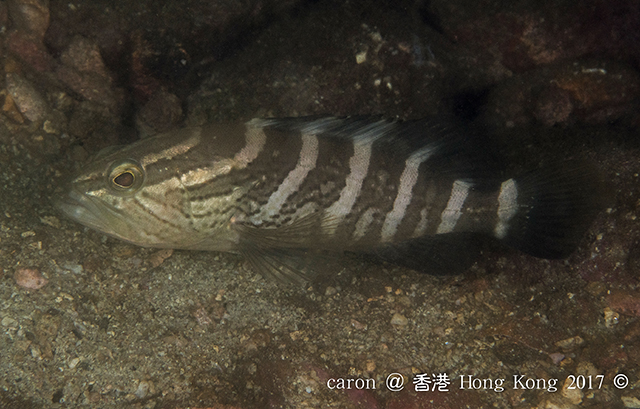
441, 254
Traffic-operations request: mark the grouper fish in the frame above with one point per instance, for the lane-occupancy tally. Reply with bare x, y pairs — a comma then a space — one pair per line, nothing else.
282, 191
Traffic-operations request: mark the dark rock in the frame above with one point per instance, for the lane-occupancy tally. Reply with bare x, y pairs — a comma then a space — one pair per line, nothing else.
4, 16
28, 100
84, 55
342, 64
29, 50
515, 354
578, 91
554, 106
521, 37
626, 302
633, 260
30, 16
160, 114
86, 118
84, 72
157, 44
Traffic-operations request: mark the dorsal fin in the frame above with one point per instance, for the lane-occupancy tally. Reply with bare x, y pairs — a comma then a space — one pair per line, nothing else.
456, 151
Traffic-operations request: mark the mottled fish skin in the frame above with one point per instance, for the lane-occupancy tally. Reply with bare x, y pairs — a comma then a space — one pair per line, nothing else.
333, 184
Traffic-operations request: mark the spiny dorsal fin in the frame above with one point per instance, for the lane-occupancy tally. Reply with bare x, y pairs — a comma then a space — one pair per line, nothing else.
455, 150
347, 127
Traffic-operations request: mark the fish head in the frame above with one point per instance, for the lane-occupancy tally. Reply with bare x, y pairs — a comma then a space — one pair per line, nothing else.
136, 193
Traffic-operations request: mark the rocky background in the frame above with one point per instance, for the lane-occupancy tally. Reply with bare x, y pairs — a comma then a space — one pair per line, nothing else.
87, 321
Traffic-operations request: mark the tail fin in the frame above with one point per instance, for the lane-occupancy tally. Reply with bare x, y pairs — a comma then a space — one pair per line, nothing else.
555, 207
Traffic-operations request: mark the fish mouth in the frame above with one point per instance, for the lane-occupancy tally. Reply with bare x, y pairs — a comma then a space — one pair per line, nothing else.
82, 209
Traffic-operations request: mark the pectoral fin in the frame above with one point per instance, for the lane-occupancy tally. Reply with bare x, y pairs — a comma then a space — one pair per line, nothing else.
291, 266
291, 254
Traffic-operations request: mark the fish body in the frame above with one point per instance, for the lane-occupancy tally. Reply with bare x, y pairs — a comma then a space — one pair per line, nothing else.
279, 190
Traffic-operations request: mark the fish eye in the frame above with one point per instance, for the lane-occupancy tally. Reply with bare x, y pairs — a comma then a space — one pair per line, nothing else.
125, 176
125, 179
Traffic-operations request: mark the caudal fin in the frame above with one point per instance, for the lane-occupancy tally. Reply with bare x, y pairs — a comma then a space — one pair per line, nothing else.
553, 209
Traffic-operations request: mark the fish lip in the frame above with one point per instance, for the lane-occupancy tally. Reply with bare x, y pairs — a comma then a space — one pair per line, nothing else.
81, 209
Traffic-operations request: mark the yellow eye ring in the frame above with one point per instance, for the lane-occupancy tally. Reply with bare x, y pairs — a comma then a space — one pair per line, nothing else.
125, 179
125, 176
